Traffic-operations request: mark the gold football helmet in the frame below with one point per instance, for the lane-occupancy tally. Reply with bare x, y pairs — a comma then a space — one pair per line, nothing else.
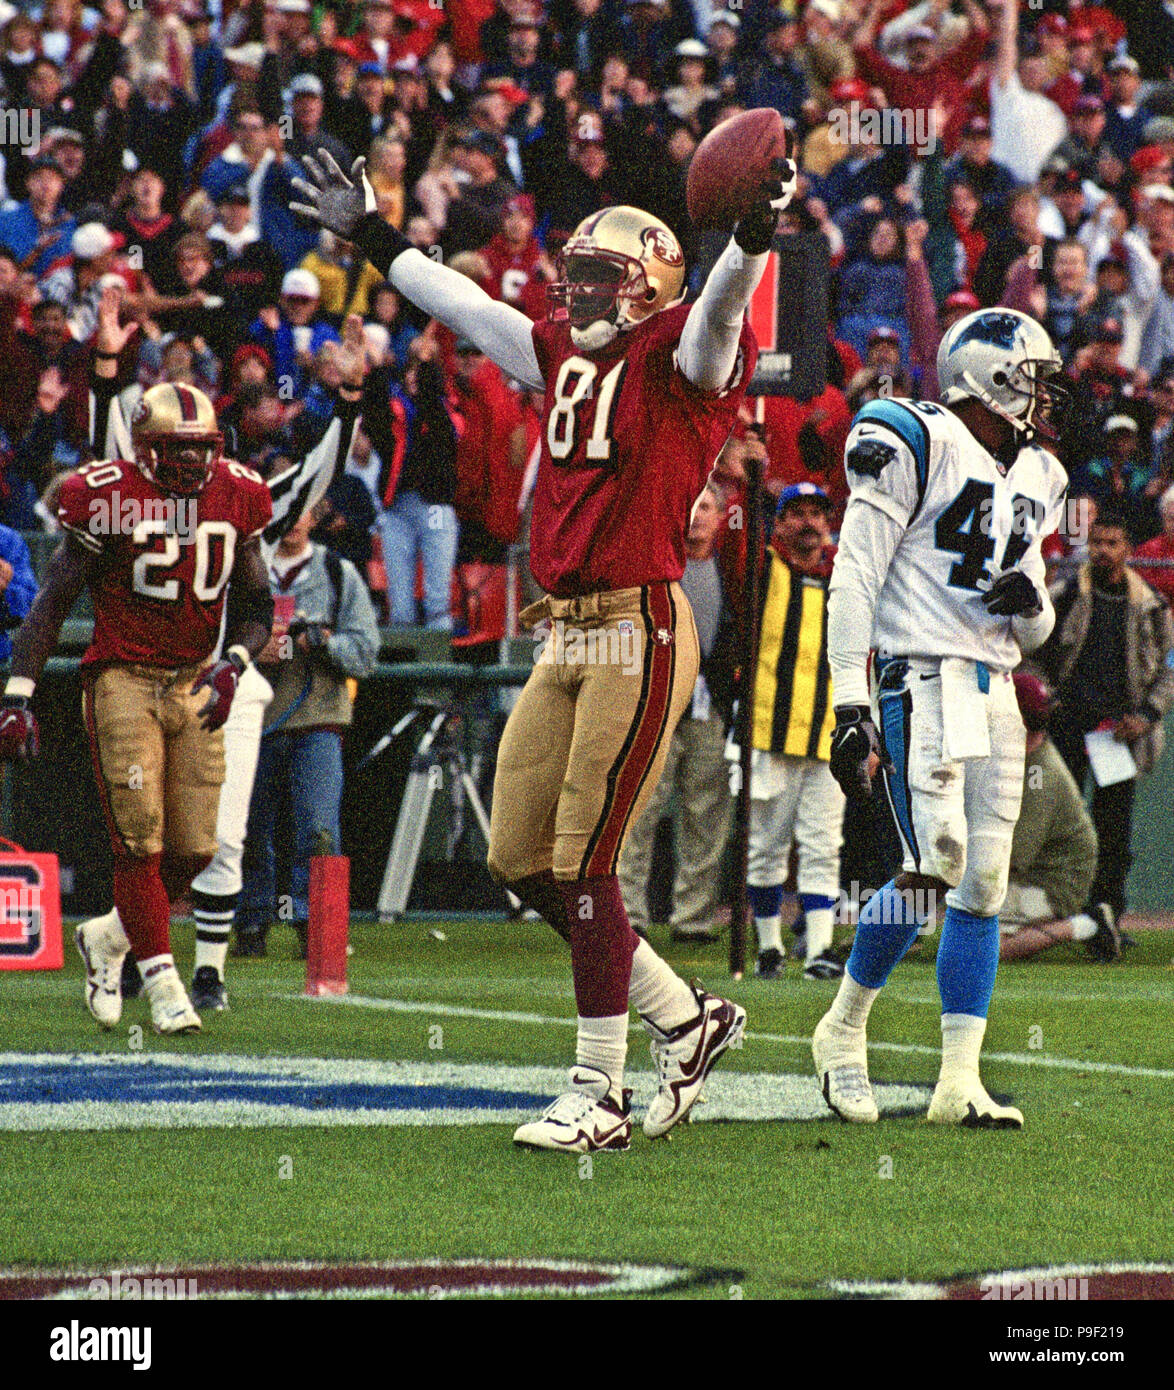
618, 268
177, 442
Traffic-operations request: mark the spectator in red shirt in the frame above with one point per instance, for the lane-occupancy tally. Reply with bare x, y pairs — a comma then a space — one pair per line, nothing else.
490, 457
520, 269
1155, 558
1085, 75
931, 78
805, 444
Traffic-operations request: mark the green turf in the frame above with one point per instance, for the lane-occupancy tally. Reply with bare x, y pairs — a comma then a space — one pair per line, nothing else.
785, 1205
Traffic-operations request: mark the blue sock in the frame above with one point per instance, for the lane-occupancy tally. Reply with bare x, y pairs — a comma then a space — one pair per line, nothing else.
968, 957
886, 928
765, 902
812, 902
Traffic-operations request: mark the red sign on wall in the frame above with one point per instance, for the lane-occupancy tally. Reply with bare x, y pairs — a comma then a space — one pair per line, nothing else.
30, 911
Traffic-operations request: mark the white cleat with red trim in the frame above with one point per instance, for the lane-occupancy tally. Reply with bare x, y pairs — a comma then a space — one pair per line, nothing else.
102, 945
586, 1119
171, 1009
685, 1057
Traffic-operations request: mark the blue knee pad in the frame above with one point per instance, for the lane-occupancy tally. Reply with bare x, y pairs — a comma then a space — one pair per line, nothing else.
968, 958
887, 927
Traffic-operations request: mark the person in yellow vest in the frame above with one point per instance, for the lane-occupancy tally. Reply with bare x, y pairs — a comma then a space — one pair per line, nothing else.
794, 799
347, 284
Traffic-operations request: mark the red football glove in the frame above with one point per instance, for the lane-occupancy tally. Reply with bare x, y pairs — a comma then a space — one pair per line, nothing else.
19, 736
221, 678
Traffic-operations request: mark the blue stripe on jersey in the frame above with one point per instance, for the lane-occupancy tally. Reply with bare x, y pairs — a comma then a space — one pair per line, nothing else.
908, 426
893, 716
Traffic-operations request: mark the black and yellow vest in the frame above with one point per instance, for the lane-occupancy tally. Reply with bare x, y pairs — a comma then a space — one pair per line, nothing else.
792, 684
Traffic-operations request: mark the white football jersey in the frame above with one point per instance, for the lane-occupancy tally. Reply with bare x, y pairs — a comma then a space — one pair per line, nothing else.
965, 521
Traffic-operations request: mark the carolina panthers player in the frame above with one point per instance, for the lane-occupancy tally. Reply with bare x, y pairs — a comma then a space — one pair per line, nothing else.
938, 586
642, 391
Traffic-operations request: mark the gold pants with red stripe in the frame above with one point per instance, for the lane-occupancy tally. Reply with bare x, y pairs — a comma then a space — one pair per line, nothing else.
158, 773
587, 740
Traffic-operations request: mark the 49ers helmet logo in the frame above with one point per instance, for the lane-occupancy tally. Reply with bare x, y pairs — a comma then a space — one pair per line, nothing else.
663, 245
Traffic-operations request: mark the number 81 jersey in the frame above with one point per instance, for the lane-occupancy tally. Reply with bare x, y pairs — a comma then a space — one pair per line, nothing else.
159, 592
965, 521
627, 444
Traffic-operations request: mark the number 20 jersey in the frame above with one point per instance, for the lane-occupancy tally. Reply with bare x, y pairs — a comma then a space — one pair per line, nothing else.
964, 520
159, 592
627, 444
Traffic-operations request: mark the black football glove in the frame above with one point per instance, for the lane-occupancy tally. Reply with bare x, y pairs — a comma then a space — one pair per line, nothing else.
19, 736
755, 232
854, 740
337, 203
1013, 595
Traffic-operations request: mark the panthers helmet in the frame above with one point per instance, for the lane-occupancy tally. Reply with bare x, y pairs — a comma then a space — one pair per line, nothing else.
177, 443
618, 268
1004, 359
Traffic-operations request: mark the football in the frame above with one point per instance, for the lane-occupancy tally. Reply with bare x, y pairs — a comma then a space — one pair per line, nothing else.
731, 164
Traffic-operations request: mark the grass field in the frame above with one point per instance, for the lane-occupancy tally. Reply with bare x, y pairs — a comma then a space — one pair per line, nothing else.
778, 1207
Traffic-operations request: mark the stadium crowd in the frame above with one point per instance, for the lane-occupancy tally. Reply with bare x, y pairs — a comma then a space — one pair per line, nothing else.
952, 155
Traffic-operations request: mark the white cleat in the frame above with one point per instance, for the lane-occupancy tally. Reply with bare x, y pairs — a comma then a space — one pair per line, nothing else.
841, 1065
963, 1100
685, 1057
102, 945
585, 1119
171, 1009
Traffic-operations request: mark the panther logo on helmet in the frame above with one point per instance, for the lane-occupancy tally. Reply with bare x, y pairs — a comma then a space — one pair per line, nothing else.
1005, 360
177, 442
618, 268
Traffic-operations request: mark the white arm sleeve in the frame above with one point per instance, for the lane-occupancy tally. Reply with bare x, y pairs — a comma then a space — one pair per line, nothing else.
708, 351
502, 332
868, 540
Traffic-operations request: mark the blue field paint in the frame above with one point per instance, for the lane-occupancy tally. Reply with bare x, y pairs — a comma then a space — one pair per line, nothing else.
51, 1091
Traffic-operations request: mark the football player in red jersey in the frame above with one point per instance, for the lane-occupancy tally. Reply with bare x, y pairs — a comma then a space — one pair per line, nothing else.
156, 541
641, 392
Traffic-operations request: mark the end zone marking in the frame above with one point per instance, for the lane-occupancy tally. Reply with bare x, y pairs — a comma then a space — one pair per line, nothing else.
419, 1006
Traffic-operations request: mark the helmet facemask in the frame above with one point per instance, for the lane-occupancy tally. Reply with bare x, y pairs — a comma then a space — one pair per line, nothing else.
180, 465
1046, 402
592, 291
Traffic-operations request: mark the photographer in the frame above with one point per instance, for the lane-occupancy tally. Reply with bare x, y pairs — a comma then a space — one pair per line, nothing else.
324, 637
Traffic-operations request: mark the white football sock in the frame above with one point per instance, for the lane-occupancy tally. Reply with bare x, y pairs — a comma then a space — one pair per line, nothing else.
658, 993
1084, 928
821, 922
157, 969
213, 913
770, 933
603, 1044
962, 1036
852, 1003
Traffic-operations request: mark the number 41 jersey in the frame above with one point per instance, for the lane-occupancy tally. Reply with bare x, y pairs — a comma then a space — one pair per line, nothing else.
159, 592
965, 521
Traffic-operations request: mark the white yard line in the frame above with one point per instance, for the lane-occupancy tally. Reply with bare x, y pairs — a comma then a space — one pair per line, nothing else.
422, 1006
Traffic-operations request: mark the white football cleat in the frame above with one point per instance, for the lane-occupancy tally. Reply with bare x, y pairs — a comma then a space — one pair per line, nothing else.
585, 1119
685, 1057
102, 945
171, 1009
962, 1100
841, 1065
